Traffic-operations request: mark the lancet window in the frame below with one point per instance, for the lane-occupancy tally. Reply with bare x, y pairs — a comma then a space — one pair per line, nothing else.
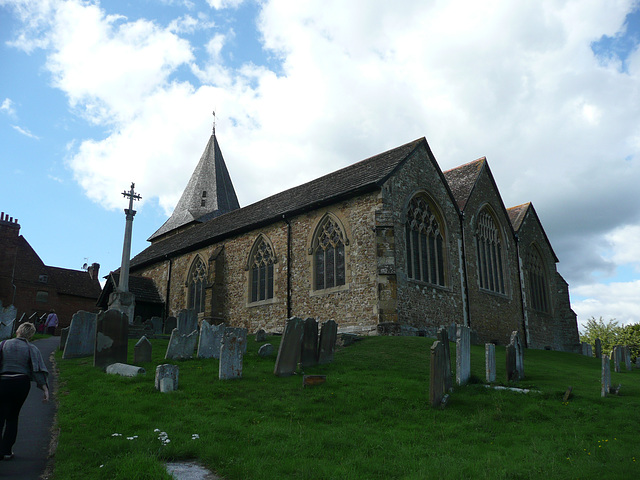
261, 264
425, 243
196, 283
329, 254
489, 247
537, 281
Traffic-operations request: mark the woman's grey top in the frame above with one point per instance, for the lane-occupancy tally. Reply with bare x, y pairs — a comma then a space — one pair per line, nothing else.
20, 356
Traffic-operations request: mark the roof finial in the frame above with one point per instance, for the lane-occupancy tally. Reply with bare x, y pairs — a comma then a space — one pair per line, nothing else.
214, 122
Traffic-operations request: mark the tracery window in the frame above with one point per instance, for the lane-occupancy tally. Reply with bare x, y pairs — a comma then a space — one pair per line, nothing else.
537, 281
196, 283
261, 270
329, 254
489, 249
425, 243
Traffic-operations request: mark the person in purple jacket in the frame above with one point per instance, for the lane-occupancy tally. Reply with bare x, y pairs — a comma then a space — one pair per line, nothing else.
20, 363
52, 322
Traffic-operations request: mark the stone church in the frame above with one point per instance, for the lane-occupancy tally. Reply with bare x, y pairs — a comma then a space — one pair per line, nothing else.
390, 240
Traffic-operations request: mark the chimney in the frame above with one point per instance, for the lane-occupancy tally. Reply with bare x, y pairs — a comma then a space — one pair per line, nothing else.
9, 226
93, 270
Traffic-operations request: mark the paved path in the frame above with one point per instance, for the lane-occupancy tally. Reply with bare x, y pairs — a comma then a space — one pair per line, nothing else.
34, 427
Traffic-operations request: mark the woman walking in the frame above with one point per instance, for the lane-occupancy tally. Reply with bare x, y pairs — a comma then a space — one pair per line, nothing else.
20, 364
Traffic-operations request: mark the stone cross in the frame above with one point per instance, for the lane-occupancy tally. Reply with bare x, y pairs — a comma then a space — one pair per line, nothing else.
123, 285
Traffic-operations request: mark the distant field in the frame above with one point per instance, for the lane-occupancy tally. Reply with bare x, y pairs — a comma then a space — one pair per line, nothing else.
370, 420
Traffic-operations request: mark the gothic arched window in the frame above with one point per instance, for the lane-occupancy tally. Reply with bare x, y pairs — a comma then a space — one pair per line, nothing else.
328, 254
537, 281
196, 282
260, 266
489, 250
425, 243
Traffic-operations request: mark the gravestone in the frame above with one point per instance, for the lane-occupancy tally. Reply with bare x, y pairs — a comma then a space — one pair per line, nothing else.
7, 319
261, 335
490, 362
231, 353
512, 370
616, 356
112, 338
606, 377
327, 345
81, 336
519, 349
265, 350
626, 354
187, 321
181, 346
167, 377
463, 355
586, 349
170, 324
125, 370
290, 345
309, 352
638, 361
156, 323
598, 348
443, 337
137, 320
64, 334
209, 341
142, 351
437, 373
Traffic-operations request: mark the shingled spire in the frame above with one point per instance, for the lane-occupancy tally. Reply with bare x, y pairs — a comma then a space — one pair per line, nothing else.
208, 194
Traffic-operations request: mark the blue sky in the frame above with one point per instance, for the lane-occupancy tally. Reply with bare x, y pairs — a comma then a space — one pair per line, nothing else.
95, 95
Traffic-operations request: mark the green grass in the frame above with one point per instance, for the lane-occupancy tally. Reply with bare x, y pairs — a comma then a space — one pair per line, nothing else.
371, 419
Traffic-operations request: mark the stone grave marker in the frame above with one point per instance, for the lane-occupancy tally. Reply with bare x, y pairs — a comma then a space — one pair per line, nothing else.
265, 350
463, 355
142, 350
167, 377
328, 338
598, 348
170, 324
156, 323
231, 353
437, 373
616, 356
512, 370
137, 320
81, 336
606, 377
64, 334
181, 346
490, 362
638, 361
210, 340
290, 346
626, 354
586, 349
261, 335
7, 319
443, 336
112, 338
187, 321
519, 348
125, 370
313, 380
309, 352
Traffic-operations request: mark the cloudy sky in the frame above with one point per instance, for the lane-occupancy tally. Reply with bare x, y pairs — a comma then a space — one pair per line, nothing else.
96, 95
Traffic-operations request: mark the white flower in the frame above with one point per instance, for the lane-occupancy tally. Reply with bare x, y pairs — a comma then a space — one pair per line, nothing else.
116, 435
195, 436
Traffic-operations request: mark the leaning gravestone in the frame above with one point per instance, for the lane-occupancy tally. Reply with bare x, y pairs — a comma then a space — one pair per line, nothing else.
598, 348
81, 336
328, 337
64, 334
125, 370
181, 346
519, 348
112, 338
167, 377
309, 352
7, 319
209, 341
512, 370
437, 373
187, 321
606, 377
170, 324
142, 350
231, 353
156, 323
463, 355
265, 350
289, 351
443, 337
490, 362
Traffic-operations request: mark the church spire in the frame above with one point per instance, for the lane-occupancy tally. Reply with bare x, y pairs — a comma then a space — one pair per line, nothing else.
208, 194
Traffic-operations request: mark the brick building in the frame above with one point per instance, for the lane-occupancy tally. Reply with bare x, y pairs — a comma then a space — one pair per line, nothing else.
35, 288
389, 239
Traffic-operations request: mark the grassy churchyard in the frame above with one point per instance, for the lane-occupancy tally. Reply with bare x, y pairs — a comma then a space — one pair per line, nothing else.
370, 420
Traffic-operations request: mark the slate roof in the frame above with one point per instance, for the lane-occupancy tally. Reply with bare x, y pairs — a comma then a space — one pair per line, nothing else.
462, 179
142, 287
74, 282
517, 214
361, 177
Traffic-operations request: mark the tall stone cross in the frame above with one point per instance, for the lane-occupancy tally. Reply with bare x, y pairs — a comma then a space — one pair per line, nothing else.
123, 284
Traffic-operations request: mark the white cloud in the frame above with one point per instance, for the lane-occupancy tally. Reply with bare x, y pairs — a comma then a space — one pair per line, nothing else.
221, 4
625, 247
25, 132
7, 107
617, 300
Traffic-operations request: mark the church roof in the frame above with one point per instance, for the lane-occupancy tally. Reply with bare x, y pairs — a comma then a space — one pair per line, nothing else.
360, 177
462, 179
517, 214
208, 194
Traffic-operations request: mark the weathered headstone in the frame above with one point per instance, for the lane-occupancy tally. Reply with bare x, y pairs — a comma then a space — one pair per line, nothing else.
170, 324
289, 351
328, 337
167, 377
112, 338
598, 348
137, 320
187, 321
209, 340
125, 370
7, 319
309, 351
616, 356
626, 354
490, 362
638, 361
463, 355
64, 334
443, 337
156, 323
181, 346
517, 343
606, 377
142, 350
437, 372
81, 336
512, 370
261, 335
587, 351
231, 353
265, 350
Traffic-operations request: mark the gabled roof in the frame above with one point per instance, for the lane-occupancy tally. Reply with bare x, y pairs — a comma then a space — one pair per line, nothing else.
208, 194
143, 288
517, 215
361, 177
74, 282
462, 179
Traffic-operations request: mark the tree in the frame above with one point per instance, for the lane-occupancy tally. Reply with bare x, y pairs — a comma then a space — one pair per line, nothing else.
609, 333
631, 336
